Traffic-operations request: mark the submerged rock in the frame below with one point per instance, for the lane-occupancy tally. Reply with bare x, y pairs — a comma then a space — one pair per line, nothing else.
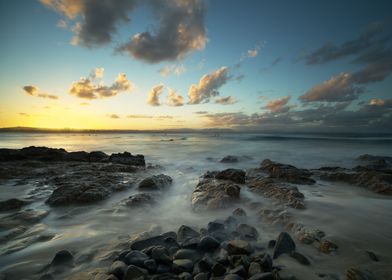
229, 159
12, 204
63, 258
128, 158
239, 247
235, 175
139, 199
284, 245
156, 182
355, 273
286, 172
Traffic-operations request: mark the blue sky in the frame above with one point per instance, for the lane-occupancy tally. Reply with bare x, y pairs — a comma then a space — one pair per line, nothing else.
265, 88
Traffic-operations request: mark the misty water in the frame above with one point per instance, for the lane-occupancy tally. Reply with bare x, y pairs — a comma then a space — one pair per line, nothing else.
356, 218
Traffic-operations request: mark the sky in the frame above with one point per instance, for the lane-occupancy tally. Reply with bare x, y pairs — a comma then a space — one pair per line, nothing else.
268, 66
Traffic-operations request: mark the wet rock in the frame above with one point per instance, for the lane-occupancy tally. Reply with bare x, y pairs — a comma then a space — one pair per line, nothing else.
215, 226
235, 175
375, 162
239, 212
186, 254
156, 182
167, 240
239, 270
128, 158
262, 276
139, 199
136, 258
229, 159
118, 268
211, 194
218, 270
185, 276
151, 265
77, 156
63, 258
254, 268
161, 255
307, 235
161, 269
247, 232
12, 204
327, 246
98, 156
284, 193
355, 273
184, 233
202, 276
28, 216
238, 260
372, 256
239, 247
266, 263
208, 243
284, 244
191, 243
65, 195
232, 277
134, 272
271, 244
300, 258
33, 153
182, 265
286, 172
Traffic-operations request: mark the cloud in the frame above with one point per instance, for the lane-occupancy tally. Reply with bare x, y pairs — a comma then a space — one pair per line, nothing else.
174, 100
34, 91
381, 102
208, 86
92, 87
273, 63
200, 112
154, 94
84, 104
24, 114
158, 117
339, 88
114, 116
278, 105
254, 52
228, 100
62, 24
172, 69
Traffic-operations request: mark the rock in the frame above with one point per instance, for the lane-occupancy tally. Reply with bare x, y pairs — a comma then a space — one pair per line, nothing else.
232, 277
191, 243
151, 265
247, 232
63, 258
372, 256
12, 204
327, 246
98, 156
284, 193
184, 233
239, 247
161, 255
128, 158
139, 199
185, 276
254, 268
33, 153
238, 260
239, 212
262, 276
118, 268
307, 235
300, 258
182, 265
215, 226
208, 243
287, 173
376, 162
354, 273
284, 244
239, 270
235, 175
229, 159
186, 254
161, 269
77, 156
136, 258
271, 244
134, 272
156, 182
202, 276
266, 263
167, 240
211, 194
218, 270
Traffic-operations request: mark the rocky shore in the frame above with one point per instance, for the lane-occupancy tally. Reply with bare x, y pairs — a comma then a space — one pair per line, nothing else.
229, 249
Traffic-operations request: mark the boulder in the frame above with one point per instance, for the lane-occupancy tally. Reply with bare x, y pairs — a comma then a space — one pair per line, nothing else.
156, 182
284, 244
182, 265
63, 258
185, 233
12, 204
286, 172
247, 232
235, 175
208, 243
128, 158
135, 273
161, 255
239, 247
139, 199
118, 268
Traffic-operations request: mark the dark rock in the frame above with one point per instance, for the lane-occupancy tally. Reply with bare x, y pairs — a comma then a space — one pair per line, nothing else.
271, 244
372, 256
202, 276
128, 158
300, 258
229, 159
165, 240
43, 277
112, 277
208, 243
186, 254
254, 268
218, 270
118, 268
215, 226
239, 212
327, 246
139, 199
232, 277
151, 265
239, 247
182, 265
12, 204
211, 194
164, 276
77, 156
355, 273
191, 243
247, 232
134, 272
161, 255
262, 276
266, 263
184, 233
136, 258
238, 260
156, 182
221, 256
235, 175
185, 276
63, 258
239, 270
33, 153
284, 244
163, 269
98, 156
287, 173
205, 264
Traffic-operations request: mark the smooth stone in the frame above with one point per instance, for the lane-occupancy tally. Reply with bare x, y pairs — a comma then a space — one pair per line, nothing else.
186, 254
136, 258
164, 276
247, 232
284, 244
372, 256
134, 272
151, 265
254, 268
239, 247
215, 226
233, 277
239, 212
161, 255
266, 263
63, 258
300, 258
182, 265
236, 260
239, 270
262, 276
185, 232
271, 244
192, 243
167, 240
218, 270
202, 276
163, 269
118, 268
185, 276
208, 243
